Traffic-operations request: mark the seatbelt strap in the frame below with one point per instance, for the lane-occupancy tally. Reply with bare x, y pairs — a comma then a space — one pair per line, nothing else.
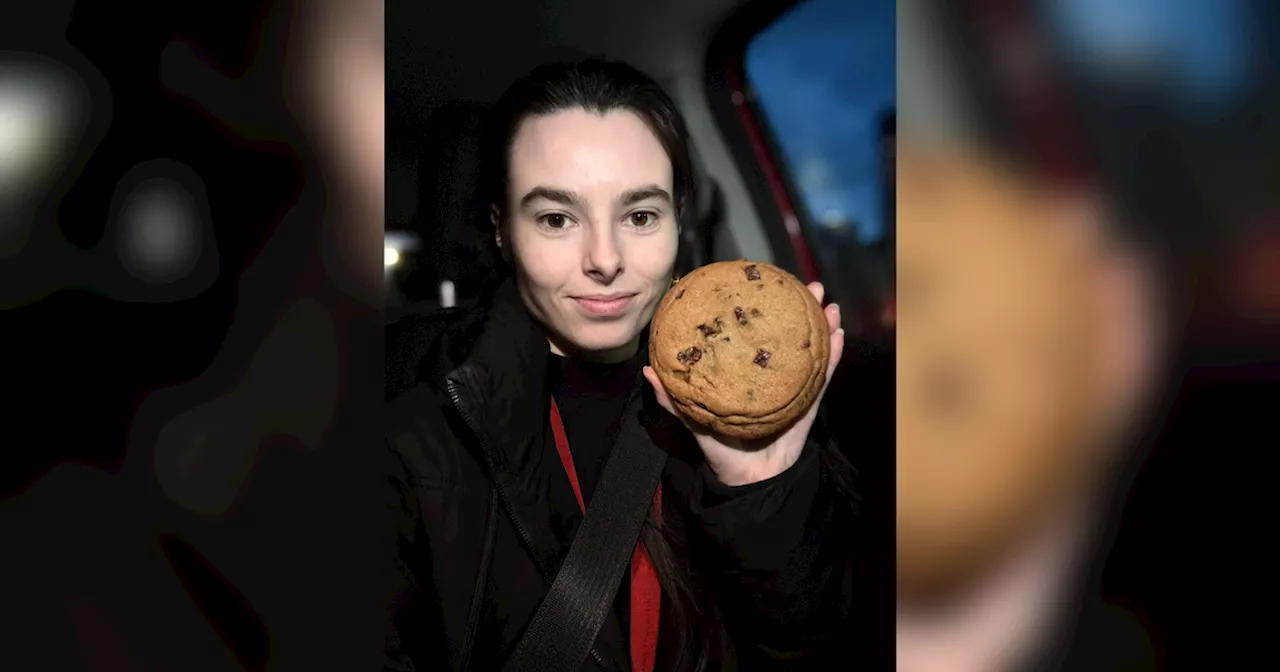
646, 594
567, 622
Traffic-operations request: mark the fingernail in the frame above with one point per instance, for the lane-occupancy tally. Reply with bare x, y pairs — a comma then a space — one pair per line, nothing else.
840, 331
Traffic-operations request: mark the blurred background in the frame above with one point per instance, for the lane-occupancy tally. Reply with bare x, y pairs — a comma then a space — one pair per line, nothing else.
1101, 174
191, 310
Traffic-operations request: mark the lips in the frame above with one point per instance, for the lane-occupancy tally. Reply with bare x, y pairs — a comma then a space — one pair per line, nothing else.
604, 304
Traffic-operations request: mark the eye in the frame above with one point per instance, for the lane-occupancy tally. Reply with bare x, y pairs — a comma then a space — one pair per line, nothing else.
554, 221
642, 219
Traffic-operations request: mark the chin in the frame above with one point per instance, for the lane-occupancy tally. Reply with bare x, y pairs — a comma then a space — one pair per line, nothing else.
602, 340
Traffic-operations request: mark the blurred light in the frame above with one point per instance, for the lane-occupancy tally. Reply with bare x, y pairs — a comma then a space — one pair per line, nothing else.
24, 130
401, 241
396, 245
35, 123
834, 219
160, 239
448, 294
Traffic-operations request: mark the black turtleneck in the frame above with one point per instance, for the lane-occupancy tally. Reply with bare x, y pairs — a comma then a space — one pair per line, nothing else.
592, 398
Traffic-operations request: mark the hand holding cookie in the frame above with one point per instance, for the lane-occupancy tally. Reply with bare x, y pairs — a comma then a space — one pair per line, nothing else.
741, 352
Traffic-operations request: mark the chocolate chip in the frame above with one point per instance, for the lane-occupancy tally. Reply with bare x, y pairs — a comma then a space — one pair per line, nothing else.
751, 395
752, 272
762, 358
740, 314
692, 355
779, 281
680, 294
711, 329
755, 313
806, 343
726, 339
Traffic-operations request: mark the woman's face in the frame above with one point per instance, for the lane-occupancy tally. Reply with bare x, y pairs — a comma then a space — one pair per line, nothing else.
591, 226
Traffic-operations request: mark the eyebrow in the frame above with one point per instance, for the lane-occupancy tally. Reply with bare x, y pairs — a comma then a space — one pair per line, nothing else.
572, 199
561, 196
633, 196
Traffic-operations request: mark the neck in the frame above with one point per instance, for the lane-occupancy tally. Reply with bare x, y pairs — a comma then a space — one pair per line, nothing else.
1005, 618
611, 356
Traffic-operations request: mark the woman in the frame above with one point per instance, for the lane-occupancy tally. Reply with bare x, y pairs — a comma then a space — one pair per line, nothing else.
586, 176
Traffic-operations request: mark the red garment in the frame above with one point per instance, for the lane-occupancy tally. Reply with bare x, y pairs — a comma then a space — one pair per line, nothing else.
646, 594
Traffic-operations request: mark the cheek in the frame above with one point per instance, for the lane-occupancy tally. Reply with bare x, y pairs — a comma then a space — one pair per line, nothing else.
545, 264
653, 256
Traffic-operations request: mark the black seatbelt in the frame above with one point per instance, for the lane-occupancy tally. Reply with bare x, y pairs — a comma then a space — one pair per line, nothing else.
565, 626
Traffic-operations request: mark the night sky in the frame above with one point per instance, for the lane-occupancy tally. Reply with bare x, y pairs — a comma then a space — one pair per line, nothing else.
824, 73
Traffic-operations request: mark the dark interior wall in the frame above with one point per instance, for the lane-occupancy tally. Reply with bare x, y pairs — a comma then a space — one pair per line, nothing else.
439, 53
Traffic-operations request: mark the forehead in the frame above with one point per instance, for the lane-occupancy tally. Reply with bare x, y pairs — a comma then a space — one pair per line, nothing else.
584, 151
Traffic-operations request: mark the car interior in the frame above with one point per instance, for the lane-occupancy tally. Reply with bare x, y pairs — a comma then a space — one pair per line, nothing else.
448, 62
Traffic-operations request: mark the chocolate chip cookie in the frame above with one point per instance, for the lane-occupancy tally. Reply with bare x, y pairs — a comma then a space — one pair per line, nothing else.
741, 347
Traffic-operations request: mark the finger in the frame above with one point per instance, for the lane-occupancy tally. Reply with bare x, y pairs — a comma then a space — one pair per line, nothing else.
659, 391
818, 291
837, 351
833, 317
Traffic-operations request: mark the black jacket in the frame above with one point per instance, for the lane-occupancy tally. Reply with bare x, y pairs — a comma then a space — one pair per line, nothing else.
773, 562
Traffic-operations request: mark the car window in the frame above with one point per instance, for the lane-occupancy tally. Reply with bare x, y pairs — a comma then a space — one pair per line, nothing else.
823, 74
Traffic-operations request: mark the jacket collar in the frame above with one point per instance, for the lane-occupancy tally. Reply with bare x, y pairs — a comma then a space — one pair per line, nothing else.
504, 370
504, 373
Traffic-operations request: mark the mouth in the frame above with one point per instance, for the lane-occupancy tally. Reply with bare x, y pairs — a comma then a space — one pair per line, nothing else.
604, 304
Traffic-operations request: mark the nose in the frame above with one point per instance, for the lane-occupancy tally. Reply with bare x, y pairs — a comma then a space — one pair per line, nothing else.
603, 260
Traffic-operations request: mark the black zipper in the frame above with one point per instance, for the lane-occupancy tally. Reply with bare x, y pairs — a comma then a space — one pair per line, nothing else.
482, 576
497, 484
